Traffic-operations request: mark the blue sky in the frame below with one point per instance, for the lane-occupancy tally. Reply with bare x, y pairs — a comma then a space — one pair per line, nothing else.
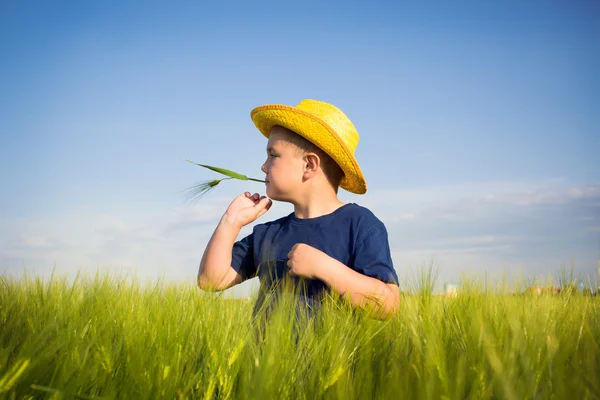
480, 134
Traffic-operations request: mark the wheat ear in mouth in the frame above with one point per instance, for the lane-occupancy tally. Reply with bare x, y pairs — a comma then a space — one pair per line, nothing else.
198, 190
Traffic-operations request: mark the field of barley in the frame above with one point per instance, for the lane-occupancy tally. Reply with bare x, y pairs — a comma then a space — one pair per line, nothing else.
108, 337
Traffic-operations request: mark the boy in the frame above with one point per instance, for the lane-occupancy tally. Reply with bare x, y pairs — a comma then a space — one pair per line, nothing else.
324, 244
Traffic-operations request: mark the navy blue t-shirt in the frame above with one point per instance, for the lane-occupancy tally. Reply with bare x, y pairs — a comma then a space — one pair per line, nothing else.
352, 234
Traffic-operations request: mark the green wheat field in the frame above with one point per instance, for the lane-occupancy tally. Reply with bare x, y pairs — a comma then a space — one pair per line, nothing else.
114, 338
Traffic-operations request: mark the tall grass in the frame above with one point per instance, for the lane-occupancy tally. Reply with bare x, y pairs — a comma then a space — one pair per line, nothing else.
105, 338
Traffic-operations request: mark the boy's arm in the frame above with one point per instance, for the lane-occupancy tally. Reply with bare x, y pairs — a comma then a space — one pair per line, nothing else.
215, 272
380, 298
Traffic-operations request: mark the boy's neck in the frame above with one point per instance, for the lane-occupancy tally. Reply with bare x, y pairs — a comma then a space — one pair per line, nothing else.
313, 206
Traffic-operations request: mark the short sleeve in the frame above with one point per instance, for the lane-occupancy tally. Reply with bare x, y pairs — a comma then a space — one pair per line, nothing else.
373, 257
242, 257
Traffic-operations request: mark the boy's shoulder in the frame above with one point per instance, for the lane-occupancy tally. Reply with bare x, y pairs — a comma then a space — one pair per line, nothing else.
361, 211
364, 220
359, 214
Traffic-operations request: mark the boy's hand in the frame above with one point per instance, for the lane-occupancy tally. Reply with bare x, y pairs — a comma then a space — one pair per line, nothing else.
245, 208
305, 260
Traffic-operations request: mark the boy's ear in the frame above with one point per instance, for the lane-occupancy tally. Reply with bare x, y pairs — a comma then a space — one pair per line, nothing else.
311, 163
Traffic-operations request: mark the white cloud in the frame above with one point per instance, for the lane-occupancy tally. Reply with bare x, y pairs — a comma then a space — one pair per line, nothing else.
38, 242
403, 217
454, 265
476, 201
545, 196
466, 228
513, 226
476, 242
168, 243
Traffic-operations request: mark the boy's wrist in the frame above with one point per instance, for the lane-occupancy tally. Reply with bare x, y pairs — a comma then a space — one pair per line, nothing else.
231, 221
328, 272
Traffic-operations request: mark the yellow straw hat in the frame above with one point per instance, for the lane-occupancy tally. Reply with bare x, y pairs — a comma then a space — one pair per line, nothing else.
324, 125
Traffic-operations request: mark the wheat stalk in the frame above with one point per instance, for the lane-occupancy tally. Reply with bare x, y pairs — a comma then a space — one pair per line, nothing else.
198, 190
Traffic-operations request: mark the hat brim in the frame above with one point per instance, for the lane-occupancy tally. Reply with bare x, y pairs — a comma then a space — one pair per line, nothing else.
318, 132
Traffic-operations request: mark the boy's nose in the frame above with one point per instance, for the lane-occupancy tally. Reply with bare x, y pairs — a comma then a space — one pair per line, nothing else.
263, 168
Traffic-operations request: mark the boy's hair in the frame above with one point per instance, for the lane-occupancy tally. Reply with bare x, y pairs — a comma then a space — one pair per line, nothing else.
332, 170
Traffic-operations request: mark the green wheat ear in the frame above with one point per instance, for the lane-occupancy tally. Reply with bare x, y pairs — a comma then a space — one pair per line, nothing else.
196, 192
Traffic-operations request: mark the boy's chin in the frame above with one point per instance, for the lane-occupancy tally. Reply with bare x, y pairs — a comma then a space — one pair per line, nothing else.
274, 196
277, 196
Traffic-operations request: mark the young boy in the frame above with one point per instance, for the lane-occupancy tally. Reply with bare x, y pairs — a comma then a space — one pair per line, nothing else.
324, 244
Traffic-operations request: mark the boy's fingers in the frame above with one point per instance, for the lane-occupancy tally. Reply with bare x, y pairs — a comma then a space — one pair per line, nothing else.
262, 204
290, 270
